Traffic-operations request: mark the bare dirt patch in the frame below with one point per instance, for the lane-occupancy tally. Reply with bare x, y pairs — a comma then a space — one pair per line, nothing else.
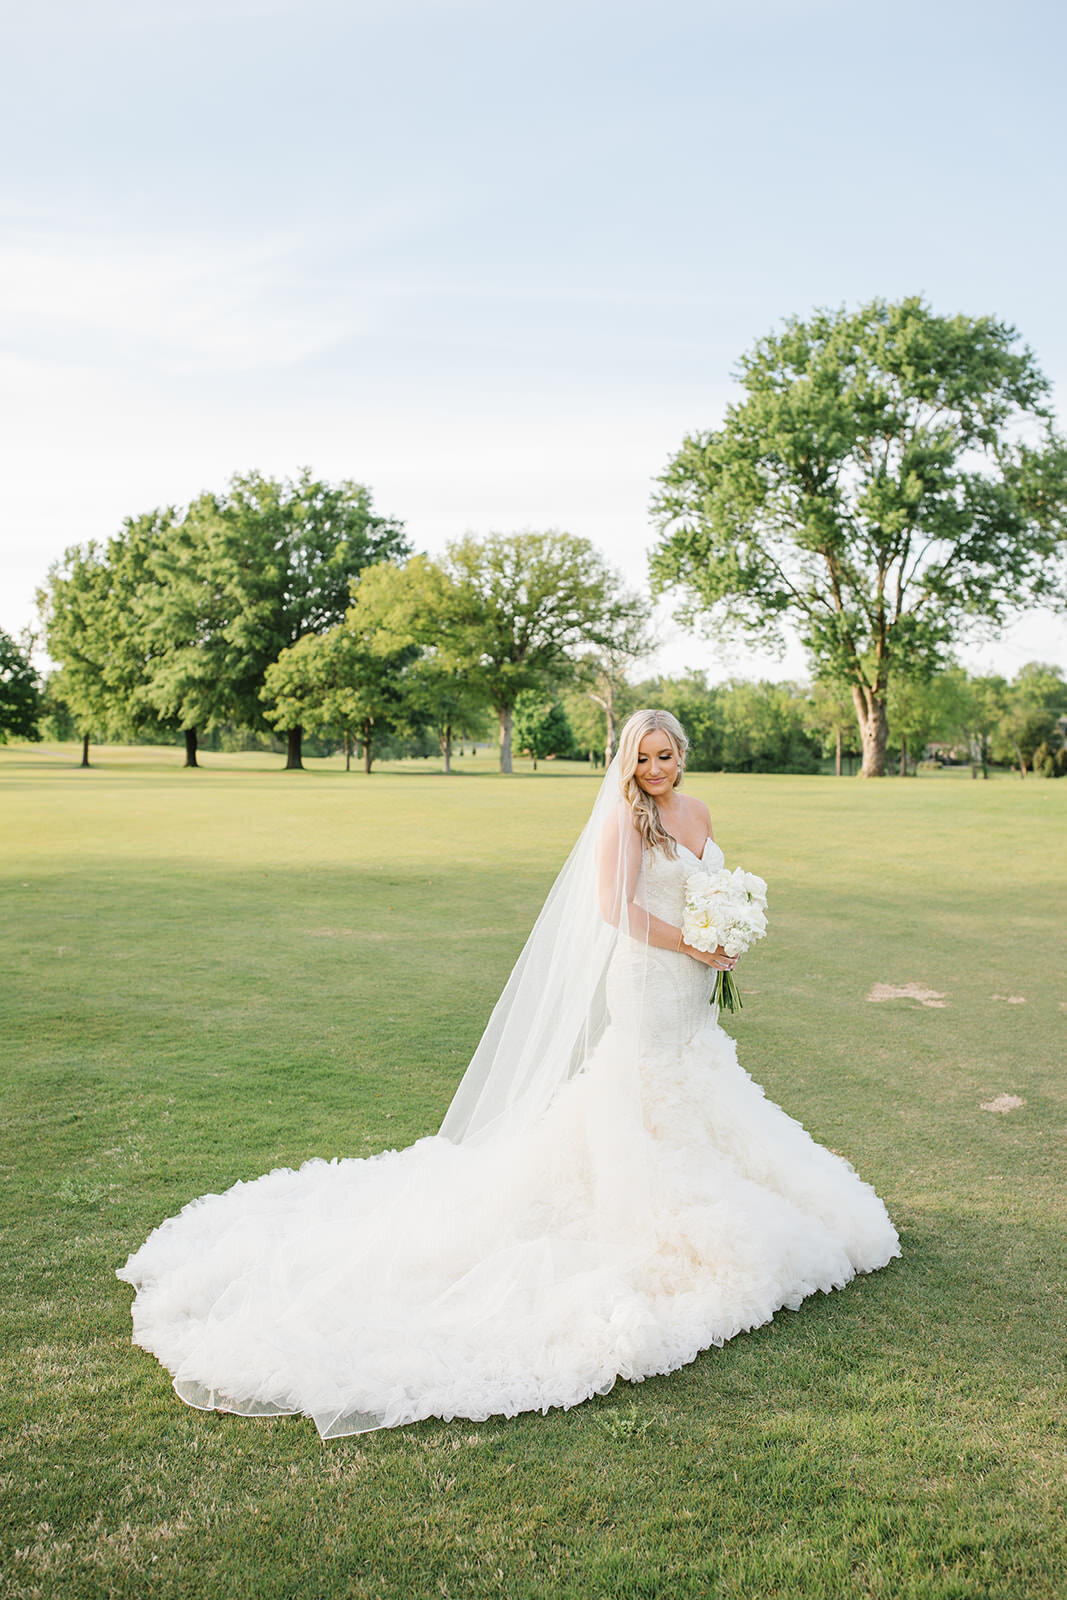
1012, 999
1003, 1102
908, 991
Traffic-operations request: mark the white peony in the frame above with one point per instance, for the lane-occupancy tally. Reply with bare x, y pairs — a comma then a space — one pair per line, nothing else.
728, 909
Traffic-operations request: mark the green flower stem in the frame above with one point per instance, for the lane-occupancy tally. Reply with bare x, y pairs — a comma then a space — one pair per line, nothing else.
726, 995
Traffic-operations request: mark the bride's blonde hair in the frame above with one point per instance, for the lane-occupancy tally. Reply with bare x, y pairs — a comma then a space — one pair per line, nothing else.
654, 835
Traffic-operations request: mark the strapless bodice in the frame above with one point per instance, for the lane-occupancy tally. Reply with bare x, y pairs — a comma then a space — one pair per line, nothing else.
663, 886
663, 993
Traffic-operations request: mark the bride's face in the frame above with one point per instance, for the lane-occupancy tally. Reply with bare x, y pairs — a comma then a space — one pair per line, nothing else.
657, 764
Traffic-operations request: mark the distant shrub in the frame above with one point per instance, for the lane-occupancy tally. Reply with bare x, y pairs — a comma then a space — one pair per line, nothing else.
1049, 763
541, 728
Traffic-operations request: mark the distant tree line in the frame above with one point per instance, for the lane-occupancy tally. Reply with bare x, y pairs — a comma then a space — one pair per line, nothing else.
292, 607
20, 690
379, 692
948, 717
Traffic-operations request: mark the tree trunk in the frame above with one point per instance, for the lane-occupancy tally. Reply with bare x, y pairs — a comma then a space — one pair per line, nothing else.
446, 746
1022, 762
367, 757
874, 730
85, 749
348, 752
190, 748
903, 756
837, 752
294, 761
504, 714
606, 702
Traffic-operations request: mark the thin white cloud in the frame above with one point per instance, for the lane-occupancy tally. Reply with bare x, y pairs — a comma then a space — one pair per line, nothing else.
185, 305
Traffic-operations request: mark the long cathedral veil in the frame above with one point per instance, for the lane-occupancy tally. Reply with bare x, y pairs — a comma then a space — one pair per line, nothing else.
565, 1043
554, 1008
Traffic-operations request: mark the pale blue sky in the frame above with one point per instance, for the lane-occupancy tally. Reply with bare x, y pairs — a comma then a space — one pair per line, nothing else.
492, 259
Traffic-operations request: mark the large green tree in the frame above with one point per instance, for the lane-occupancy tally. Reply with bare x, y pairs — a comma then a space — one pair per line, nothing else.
73, 605
888, 476
175, 622
98, 606
20, 691
528, 604
249, 573
417, 607
346, 682
193, 676
136, 649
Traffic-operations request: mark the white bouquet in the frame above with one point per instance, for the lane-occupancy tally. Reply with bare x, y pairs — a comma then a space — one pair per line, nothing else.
728, 909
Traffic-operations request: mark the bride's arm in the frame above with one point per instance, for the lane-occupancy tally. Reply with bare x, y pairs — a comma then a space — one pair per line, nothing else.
620, 873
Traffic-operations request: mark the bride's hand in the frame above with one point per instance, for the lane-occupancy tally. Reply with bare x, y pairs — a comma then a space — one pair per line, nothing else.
713, 958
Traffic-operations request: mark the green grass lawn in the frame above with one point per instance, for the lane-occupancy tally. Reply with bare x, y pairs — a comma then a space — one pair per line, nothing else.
208, 974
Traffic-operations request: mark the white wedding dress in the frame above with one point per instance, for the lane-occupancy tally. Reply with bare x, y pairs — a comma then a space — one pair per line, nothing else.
528, 1271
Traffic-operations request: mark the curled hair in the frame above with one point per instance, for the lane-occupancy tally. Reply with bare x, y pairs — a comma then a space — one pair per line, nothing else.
643, 807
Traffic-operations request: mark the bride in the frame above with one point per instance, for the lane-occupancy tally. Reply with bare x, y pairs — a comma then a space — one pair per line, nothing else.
608, 1195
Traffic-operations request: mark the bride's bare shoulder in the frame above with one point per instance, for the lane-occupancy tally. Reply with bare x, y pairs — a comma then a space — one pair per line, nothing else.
697, 811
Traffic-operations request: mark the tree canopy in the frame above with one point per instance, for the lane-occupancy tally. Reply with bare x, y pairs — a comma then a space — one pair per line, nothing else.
290, 605
527, 604
341, 682
20, 691
74, 607
541, 728
738, 726
177, 619
253, 571
1028, 713
418, 607
888, 477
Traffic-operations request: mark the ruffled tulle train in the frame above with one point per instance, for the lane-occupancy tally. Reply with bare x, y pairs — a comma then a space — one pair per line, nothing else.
471, 1280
